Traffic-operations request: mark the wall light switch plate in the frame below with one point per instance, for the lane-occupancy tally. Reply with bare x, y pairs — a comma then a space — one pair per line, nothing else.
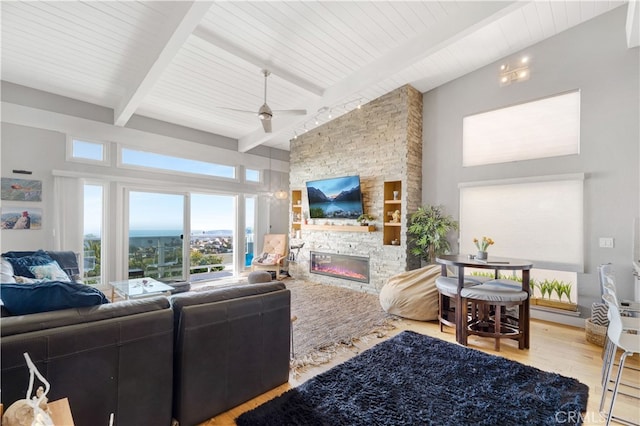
606, 242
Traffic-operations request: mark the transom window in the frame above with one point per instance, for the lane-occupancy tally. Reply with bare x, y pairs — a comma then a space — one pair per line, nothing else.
252, 175
131, 157
87, 151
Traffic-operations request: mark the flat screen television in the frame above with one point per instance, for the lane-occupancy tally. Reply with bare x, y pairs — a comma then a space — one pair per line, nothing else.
335, 198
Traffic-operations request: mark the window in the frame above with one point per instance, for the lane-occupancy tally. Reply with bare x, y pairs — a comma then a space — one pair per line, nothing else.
251, 175
93, 233
539, 219
547, 127
87, 151
152, 160
250, 226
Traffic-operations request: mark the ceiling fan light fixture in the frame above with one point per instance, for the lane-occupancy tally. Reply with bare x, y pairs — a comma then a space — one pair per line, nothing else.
265, 113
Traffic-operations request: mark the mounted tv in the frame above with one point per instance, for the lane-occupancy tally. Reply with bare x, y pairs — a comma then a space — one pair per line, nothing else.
335, 198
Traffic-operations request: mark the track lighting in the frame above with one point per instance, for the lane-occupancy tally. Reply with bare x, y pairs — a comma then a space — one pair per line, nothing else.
319, 120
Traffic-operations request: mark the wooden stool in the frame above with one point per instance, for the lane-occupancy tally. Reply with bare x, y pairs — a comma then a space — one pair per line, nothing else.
447, 291
488, 305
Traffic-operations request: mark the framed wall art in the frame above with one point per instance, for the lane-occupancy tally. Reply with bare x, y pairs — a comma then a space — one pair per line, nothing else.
21, 218
21, 189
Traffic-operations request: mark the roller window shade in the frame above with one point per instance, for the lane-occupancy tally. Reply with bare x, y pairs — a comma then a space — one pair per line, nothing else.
540, 221
543, 128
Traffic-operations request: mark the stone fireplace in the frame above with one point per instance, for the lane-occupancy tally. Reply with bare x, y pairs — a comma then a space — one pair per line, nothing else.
380, 142
348, 267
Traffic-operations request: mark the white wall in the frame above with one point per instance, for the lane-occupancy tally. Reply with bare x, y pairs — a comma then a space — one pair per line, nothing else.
593, 58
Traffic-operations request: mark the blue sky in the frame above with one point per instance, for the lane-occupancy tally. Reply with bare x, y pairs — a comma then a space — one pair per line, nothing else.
157, 211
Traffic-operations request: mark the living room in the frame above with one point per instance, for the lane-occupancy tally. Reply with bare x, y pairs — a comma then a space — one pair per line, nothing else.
592, 58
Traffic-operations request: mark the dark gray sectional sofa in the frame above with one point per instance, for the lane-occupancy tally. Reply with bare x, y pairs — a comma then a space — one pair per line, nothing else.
190, 356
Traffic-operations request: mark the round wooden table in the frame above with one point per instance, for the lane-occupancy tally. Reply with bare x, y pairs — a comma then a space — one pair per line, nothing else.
460, 262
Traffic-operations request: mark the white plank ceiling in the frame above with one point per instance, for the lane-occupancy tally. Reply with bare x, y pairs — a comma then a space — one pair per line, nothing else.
187, 63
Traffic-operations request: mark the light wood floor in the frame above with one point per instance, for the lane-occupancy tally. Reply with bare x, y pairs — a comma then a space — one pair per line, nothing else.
555, 348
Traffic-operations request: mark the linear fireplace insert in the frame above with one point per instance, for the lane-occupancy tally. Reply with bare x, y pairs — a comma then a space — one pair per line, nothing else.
345, 266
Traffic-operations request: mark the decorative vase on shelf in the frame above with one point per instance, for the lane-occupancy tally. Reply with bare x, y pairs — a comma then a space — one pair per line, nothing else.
482, 255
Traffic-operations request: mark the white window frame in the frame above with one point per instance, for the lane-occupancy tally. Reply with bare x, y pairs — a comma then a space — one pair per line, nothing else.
105, 239
253, 182
106, 158
122, 165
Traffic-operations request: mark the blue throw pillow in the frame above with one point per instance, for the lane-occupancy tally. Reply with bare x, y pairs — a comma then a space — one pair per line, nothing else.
21, 299
21, 264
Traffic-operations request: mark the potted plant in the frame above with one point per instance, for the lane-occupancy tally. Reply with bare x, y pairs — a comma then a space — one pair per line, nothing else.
547, 288
428, 229
364, 219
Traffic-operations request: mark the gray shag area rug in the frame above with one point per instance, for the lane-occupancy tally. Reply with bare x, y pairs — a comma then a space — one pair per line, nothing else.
329, 318
412, 379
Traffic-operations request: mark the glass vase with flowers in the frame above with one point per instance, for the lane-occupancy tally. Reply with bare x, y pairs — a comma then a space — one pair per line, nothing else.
482, 246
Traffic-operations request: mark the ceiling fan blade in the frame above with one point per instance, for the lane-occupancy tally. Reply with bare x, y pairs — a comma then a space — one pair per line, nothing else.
290, 111
238, 110
266, 125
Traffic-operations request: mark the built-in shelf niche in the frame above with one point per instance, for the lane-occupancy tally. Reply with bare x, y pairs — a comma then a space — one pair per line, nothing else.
296, 211
391, 234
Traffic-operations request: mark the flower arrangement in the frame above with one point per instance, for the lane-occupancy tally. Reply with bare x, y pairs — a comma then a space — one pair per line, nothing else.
484, 244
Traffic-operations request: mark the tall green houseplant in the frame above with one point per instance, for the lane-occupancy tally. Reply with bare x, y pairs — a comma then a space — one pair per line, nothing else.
428, 230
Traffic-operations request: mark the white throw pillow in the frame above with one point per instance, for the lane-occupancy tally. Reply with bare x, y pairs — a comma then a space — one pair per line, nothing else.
6, 274
50, 272
271, 259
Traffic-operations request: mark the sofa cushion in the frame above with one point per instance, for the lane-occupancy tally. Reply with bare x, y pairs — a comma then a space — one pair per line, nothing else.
27, 280
22, 263
20, 299
6, 273
68, 261
49, 272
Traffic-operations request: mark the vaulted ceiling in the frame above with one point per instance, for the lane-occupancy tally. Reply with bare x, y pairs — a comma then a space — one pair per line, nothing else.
195, 63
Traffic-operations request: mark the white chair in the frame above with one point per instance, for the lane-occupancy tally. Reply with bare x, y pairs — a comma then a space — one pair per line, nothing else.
629, 343
628, 323
608, 278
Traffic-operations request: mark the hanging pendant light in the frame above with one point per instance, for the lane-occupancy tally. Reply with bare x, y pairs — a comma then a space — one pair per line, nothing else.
280, 194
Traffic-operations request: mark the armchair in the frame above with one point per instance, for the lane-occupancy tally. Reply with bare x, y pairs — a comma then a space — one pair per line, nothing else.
274, 252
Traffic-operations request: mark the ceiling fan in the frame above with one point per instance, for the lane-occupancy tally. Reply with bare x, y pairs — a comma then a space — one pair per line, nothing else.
265, 113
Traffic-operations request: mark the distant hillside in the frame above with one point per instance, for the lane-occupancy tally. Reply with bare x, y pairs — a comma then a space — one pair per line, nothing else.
352, 194
213, 233
316, 195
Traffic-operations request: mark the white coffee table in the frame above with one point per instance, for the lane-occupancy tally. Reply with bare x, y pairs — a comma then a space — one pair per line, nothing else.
138, 287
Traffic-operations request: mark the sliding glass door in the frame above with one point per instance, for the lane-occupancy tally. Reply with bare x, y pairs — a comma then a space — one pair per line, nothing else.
156, 243
213, 236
